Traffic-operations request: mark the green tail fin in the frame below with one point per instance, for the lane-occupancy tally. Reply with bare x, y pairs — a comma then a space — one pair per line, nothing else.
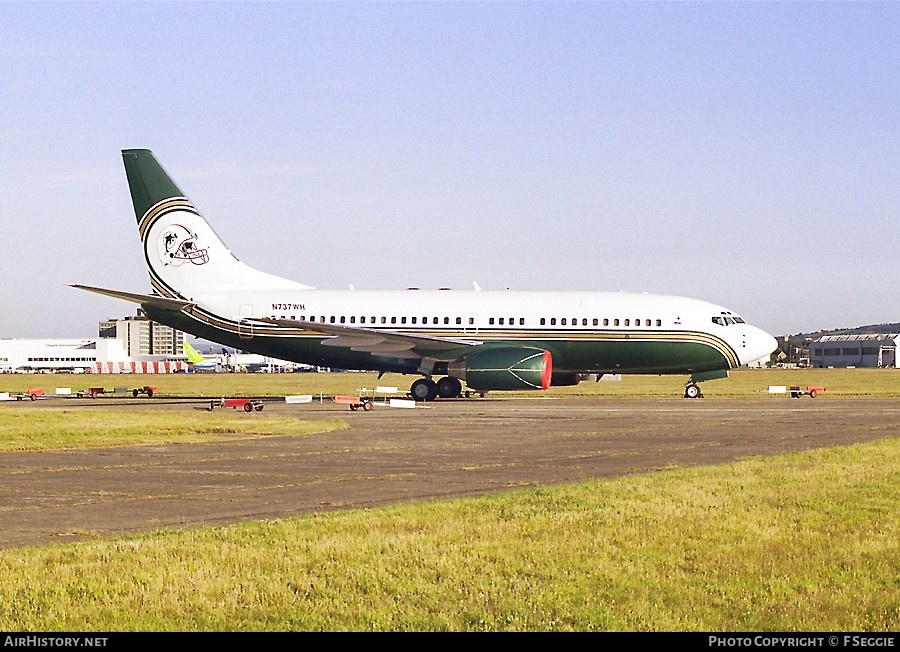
148, 181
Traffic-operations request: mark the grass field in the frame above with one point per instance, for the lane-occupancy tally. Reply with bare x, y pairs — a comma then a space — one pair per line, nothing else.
802, 542
36, 430
742, 382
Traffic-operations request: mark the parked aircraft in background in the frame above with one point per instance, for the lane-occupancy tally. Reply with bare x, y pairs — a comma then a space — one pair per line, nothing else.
489, 340
198, 363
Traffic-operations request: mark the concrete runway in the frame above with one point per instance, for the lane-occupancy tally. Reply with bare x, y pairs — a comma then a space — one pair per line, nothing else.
455, 448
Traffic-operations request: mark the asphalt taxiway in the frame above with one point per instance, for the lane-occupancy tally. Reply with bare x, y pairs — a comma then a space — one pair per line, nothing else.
389, 455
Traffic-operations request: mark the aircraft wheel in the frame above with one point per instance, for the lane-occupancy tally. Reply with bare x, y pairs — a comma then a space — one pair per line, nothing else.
692, 391
424, 389
449, 387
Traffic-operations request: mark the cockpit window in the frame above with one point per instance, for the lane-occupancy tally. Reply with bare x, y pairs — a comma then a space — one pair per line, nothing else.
727, 320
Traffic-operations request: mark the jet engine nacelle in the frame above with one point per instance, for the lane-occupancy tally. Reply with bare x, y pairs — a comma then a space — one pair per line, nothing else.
507, 368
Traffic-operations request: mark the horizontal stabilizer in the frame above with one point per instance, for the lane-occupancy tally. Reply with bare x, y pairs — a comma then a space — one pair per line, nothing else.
144, 299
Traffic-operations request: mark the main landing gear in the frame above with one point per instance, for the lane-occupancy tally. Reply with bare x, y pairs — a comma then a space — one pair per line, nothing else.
426, 389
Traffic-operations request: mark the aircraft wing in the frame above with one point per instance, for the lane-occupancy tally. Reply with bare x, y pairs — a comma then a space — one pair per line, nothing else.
143, 299
378, 342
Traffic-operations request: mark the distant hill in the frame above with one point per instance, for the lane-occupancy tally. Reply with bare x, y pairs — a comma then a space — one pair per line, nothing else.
871, 329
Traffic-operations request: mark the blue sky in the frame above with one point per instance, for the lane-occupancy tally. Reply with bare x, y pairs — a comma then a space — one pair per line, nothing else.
743, 153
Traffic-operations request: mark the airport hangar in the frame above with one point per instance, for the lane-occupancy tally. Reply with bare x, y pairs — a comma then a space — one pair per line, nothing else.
867, 350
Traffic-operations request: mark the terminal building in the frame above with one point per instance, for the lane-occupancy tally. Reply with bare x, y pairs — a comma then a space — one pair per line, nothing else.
26, 356
873, 350
142, 339
129, 345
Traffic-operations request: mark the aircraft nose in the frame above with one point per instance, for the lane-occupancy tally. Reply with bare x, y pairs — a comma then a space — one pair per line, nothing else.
757, 344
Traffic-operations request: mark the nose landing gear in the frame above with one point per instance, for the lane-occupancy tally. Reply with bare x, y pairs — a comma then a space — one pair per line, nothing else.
692, 390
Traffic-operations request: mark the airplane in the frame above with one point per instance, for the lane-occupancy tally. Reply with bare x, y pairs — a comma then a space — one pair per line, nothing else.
489, 340
196, 360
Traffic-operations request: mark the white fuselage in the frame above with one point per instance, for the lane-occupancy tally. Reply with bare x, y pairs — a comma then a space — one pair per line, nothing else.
497, 314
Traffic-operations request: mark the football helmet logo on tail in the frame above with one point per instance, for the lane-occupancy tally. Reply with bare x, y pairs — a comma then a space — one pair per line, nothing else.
178, 244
